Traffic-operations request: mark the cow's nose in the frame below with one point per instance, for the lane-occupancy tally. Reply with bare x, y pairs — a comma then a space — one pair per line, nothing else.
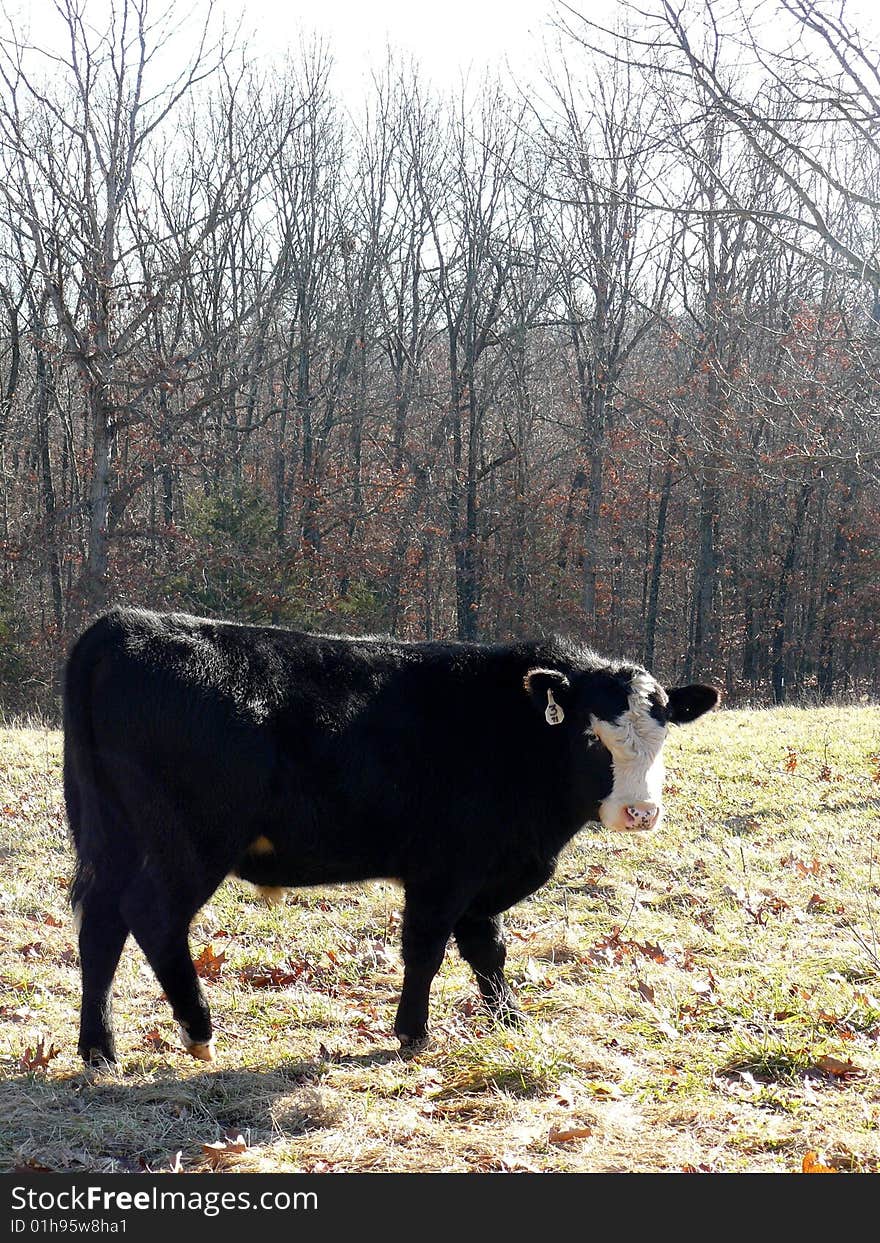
641, 815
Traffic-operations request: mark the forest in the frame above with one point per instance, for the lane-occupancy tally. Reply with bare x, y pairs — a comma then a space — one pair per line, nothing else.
596, 353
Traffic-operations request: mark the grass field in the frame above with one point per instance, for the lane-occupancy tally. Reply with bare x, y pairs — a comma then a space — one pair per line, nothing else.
706, 997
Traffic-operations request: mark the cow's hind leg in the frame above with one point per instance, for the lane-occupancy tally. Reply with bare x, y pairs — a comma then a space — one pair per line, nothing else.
102, 934
163, 935
480, 939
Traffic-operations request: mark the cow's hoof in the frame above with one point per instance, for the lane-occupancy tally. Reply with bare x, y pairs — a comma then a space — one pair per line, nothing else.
412, 1044
204, 1052
98, 1059
510, 1016
272, 895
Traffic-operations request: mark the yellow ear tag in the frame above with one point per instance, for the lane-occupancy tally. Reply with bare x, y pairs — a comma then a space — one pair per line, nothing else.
553, 712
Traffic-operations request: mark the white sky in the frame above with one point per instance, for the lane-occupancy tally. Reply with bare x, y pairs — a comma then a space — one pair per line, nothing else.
448, 38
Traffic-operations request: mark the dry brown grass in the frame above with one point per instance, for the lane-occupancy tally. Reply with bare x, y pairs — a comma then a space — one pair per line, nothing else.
730, 1023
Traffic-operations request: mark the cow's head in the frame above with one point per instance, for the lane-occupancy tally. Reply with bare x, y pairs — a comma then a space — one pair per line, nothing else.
628, 713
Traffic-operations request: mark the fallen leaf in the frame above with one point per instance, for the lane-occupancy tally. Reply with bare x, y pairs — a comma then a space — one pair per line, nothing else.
867, 999
791, 861
21, 1014
644, 990
840, 1070
208, 964
791, 761
610, 950
613, 950
269, 977
705, 988
667, 1029
506, 1163
39, 1057
603, 1090
770, 904
157, 1042
220, 1152
812, 1165
561, 1136
566, 1093
651, 951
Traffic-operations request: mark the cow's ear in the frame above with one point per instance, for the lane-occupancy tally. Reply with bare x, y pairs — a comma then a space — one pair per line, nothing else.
548, 690
686, 703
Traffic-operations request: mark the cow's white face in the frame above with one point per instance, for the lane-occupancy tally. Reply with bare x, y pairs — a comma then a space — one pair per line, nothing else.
628, 712
635, 740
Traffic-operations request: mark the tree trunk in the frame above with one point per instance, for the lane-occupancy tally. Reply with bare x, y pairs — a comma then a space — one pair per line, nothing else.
705, 642
401, 545
781, 619
651, 612
592, 523
43, 401
95, 578
829, 645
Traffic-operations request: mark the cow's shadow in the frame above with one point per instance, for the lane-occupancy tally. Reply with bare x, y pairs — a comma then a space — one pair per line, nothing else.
854, 804
747, 822
110, 1120
606, 893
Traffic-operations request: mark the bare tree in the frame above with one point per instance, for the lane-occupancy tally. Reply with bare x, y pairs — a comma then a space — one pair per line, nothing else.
73, 142
613, 258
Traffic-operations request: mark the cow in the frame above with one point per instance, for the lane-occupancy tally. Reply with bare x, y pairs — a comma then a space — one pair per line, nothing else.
195, 749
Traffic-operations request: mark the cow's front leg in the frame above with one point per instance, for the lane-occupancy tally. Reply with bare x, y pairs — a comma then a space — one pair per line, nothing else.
480, 939
426, 930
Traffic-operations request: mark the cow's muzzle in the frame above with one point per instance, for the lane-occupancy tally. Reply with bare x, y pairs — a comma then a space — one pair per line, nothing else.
630, 817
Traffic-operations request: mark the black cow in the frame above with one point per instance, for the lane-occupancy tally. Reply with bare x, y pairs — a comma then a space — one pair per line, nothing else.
194, 749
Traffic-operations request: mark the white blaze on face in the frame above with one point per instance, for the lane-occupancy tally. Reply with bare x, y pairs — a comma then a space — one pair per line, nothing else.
635, 741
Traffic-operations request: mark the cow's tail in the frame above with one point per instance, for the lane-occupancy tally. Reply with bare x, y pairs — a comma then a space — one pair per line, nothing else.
92, 810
